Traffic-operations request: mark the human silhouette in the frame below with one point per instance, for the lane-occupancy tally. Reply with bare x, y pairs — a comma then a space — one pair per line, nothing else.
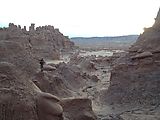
41, 62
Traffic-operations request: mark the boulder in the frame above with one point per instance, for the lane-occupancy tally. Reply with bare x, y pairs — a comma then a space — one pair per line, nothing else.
48, 107
49, 68
78, 109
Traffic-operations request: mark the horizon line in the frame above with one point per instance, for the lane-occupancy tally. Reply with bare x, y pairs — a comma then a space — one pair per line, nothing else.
3, 25
104, 36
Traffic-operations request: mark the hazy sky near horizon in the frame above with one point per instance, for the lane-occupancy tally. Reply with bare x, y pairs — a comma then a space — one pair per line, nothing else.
82, 17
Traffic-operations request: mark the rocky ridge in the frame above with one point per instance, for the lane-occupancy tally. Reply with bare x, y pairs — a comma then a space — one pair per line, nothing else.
42, 42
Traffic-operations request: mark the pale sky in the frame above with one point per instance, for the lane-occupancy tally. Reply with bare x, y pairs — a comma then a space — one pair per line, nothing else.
82, 17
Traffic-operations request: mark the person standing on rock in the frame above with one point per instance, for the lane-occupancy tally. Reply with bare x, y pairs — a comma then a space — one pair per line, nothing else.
41, 62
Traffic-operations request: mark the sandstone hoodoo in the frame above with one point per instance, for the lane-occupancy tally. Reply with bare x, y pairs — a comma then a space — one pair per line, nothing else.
42, 42
24, 48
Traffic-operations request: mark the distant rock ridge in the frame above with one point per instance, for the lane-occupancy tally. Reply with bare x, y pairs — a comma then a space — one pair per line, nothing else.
114, 42
135, 78
43, 41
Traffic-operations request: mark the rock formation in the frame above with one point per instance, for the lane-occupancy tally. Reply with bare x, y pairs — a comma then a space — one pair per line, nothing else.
78, 109
64, 81
135, 78
28, 94
25, 48
42, 41
20, 99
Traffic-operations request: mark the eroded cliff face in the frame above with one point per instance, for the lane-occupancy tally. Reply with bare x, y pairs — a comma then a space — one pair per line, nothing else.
20, 98
25, 48
42, 42
14, 53
135, 78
